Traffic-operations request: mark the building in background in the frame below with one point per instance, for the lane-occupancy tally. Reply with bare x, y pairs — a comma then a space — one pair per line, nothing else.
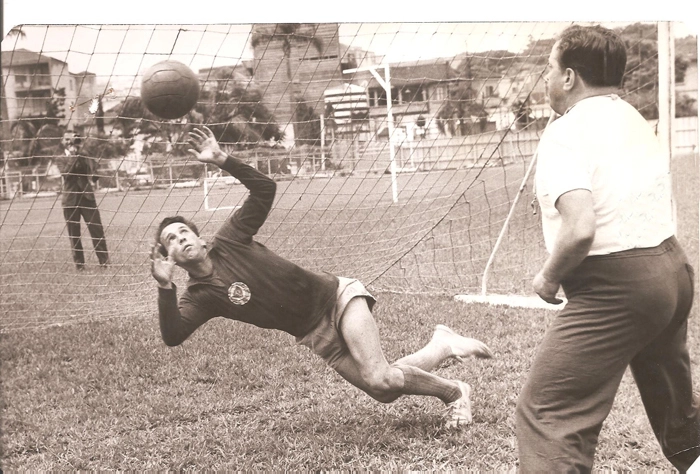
297, 63
418, 90
36, 83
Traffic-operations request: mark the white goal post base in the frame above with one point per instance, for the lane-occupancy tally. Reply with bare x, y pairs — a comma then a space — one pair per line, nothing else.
516, 301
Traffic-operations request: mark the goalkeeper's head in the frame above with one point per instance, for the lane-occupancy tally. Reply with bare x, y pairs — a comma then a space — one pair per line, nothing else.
179, 237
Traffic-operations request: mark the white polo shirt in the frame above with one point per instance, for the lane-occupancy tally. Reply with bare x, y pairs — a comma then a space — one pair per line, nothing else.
604, 145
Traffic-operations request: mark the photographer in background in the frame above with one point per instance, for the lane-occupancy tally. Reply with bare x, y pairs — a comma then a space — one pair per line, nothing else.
78, 199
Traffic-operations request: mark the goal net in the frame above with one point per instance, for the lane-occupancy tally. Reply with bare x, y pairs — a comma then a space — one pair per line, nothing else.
399, 151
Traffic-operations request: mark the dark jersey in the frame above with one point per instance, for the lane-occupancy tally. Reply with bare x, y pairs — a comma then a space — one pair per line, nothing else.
250, 283
77, 172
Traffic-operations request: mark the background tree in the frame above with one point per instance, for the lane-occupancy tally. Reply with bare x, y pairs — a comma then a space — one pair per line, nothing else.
100, 147
234, 112
641, 82
55, 107
238, 117
23, 133
287, 35
523, 113
7, 141
462, 113
537, 51
686, 106
308, 124
46, 143
99, 116
686, 48
134, 118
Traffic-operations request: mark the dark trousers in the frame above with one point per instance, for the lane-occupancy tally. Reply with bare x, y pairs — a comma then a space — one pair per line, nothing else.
91, 215
625, 309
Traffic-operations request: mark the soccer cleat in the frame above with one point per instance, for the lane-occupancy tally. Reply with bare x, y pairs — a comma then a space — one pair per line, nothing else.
461, 346
459, 412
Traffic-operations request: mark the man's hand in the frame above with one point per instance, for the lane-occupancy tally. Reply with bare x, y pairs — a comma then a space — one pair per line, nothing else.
162, 268
204, 146
547, 290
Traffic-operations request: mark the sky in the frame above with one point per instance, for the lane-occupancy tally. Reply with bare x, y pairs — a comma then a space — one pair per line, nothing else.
123, 38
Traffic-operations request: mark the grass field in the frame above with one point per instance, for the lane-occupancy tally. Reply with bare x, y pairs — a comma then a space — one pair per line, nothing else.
106, 394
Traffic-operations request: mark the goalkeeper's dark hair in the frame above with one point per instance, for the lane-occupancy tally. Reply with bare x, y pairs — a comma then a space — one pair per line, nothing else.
597, 54
172, 220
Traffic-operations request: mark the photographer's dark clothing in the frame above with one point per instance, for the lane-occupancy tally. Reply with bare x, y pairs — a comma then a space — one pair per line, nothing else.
91, 216
78, 199
77, 172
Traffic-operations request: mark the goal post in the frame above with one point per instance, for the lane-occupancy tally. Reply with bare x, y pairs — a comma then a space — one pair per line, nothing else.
523, 301
665, 132
214, 187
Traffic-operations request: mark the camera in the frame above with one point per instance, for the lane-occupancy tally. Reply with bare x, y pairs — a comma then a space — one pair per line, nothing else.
71, 138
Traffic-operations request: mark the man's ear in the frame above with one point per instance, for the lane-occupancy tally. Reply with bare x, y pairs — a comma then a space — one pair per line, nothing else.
570, 79
202, 242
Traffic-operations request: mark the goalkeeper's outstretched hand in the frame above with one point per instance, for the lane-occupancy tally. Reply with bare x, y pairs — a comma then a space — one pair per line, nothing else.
162, 268
205, 147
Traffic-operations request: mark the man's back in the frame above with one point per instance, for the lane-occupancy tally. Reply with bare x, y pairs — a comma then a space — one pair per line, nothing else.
604, 145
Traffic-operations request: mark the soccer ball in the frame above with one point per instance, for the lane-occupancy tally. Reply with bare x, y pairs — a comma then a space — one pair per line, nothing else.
169, 89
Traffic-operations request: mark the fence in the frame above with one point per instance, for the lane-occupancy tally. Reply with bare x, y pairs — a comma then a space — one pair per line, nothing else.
345, 156
10, 184
497, 147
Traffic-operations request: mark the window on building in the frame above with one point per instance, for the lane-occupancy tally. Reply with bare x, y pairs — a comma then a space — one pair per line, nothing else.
33, 102
38, 75
439, 94
411, 94
377, 97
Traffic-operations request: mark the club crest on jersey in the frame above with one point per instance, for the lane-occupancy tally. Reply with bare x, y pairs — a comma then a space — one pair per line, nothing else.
239, 293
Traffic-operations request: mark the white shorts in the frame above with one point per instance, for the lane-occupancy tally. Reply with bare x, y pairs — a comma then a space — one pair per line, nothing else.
325, 340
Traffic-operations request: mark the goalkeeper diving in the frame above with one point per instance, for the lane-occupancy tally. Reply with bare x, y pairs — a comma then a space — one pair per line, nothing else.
237, 278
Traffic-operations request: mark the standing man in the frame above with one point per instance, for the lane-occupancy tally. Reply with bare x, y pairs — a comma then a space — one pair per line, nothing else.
603, 185
78, 200
241, 279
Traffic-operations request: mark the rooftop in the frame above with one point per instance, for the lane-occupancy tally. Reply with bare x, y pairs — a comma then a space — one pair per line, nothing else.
20, 57
419, 72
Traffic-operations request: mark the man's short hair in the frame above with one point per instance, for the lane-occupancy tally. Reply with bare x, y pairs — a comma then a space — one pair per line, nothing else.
597, 54
172, 220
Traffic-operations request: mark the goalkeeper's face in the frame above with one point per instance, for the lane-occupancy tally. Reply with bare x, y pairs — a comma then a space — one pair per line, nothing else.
182, 244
